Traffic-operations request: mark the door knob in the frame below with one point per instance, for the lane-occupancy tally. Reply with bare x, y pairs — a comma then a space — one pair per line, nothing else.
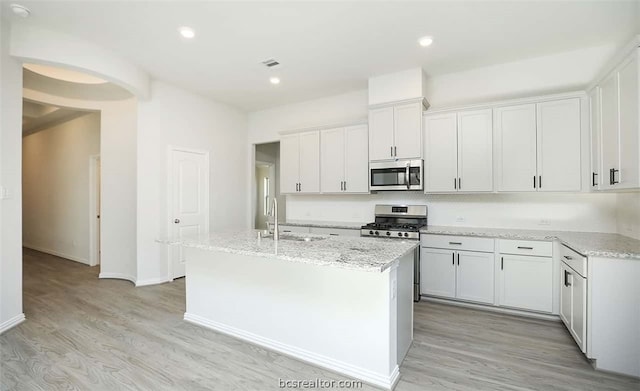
177, 221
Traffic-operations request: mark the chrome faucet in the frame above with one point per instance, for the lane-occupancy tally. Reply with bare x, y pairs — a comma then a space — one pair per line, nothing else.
274, 213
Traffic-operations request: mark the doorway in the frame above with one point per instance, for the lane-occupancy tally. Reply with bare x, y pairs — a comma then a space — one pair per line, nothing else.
188, 201
94, 210
267, 184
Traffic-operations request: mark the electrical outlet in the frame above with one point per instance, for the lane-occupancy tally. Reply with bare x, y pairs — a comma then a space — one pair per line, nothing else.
460, 219
544, 222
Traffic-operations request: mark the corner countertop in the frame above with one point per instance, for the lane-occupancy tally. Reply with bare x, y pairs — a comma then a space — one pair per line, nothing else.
591, 244
355, 253
324, 224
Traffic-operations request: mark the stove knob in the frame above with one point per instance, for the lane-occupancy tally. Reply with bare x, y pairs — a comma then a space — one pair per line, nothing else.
406, 235
388, 233
400, 234
377, 233
370, 232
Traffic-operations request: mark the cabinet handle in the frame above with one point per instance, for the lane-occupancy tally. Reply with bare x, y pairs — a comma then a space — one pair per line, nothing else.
300, 186
525, 248
593, 179
391, 151
345, 185
612, 176
455, 185
334, 234
453, 259
568, 257
456, 243
459, 184
395, 151
540, 182
341, 185
502, 263
534, 181
566, 278
458, 259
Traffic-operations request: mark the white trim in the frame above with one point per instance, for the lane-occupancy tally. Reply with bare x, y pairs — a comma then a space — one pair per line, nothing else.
56, 253
11, 323
151, 281
507, 102
170, 150
509, 311
361, 121
94, 230
373, 378
422, 99
118, 276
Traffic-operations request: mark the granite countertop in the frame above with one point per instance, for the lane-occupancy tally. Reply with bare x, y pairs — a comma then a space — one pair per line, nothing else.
355, 253
324, 224
591, 244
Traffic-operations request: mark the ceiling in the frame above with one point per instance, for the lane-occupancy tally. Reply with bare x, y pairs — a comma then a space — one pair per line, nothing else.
328, 48
38, 116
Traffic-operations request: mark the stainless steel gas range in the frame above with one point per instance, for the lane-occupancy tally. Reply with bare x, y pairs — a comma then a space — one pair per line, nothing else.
400, 222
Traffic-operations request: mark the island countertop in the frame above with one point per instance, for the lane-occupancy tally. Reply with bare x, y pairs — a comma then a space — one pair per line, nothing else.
355, 253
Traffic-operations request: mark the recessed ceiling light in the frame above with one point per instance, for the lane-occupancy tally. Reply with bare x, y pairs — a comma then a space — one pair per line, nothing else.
187, 32
20, 10
274, 80
425, 41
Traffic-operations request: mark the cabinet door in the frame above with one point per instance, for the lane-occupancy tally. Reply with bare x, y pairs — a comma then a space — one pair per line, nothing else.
356, 159
332, 148
408, 131
594, 129
526, 282
474, 277
475, 151
558, 124
565, 295
609, 136
289, 163
516, 133
441, 153
381, 134
310, 162
579, 310
629, 130
437, 272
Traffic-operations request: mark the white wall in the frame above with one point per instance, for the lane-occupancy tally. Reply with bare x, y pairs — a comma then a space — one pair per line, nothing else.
176, 117
10, 162
559, 73
628, 214
55, 187
118, 120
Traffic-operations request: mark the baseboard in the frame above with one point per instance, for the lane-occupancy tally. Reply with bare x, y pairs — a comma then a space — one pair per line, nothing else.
118, 276
503, 310
152, 281
57, 254
373, 378
11, 323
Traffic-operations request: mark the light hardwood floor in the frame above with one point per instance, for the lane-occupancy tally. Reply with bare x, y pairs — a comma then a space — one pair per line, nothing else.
83, 333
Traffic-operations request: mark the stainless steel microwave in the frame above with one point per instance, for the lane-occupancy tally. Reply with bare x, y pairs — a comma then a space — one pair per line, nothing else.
396, 175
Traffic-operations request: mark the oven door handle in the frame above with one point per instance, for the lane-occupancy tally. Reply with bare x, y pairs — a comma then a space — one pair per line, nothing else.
407, 176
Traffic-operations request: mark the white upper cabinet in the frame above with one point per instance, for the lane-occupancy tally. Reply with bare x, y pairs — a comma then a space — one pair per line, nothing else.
558, 125
408, 131
344, 160
395, 132
300, 163
475, 151
538, 146
594, 118
617, 119
381, 133
441, 153
516, 138
459, 152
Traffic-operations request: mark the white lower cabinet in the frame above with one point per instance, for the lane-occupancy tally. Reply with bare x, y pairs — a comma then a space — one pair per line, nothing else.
573, 304
526, 282
464, 275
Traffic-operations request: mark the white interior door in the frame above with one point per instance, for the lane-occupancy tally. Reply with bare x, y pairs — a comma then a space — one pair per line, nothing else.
189, 200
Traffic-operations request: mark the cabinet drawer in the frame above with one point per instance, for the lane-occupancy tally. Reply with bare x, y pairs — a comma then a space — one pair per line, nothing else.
335, 231
525, 247
457, 242
575, 260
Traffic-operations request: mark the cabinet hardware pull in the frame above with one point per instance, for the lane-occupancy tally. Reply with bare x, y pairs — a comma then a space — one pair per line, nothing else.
456, 243
453, 259
345, 185
391, 151
502, 263
334, 235
459, 184
395, 151
568, 257
566, 278
593, 179
612, 176
534, 181
458, 259
300, 186
540, 182
455, 187
525, 248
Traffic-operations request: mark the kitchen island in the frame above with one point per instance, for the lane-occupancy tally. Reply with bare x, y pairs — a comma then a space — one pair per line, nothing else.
342, 303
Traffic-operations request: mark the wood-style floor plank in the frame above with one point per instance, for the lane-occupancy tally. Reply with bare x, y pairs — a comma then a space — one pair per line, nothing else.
83, 333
